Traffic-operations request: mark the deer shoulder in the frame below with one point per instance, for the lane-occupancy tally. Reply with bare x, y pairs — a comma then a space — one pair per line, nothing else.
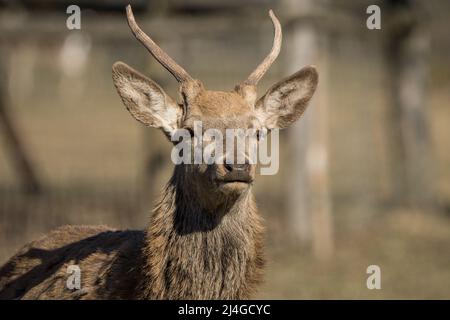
40, 269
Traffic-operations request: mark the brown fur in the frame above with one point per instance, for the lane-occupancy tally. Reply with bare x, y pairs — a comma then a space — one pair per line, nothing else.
39, 270
208, 251
189, 251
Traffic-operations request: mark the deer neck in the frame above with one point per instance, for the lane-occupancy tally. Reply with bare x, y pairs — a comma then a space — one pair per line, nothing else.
202, 248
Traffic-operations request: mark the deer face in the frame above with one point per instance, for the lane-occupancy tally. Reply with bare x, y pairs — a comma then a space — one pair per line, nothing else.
281, 106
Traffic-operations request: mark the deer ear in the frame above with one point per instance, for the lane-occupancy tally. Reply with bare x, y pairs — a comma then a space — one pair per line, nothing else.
145, 99
285, 102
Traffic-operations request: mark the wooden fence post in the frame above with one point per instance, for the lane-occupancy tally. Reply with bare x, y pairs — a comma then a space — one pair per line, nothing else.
409, 140
309, 202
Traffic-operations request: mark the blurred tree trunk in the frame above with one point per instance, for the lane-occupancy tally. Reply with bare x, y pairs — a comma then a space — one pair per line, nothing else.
19, 157
309, 203
409, 140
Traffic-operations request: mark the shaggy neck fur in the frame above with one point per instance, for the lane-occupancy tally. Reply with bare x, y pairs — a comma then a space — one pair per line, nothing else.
202, 246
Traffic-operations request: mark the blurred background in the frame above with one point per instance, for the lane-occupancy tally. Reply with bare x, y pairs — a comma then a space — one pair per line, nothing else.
364, 177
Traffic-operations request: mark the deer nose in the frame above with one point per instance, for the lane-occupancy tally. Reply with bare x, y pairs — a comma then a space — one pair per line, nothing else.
244, 167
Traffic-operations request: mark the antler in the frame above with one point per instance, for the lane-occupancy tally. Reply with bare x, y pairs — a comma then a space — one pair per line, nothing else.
260, 70
163, 58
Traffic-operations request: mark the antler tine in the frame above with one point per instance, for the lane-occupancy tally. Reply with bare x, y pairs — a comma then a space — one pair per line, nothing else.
257, 74
163, 58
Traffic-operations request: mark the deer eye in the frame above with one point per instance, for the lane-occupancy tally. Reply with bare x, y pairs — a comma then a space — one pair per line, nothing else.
190, 130
258, 134
261, 134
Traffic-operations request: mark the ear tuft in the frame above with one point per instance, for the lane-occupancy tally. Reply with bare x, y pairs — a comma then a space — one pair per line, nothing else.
310, 72
119, 67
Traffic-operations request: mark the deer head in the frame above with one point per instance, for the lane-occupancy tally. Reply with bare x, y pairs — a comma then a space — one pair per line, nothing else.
282, 105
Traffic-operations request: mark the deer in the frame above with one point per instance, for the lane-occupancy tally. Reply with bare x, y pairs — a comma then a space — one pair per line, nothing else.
205, 238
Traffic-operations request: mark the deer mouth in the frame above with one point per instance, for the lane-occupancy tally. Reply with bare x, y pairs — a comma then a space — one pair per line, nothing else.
236, 178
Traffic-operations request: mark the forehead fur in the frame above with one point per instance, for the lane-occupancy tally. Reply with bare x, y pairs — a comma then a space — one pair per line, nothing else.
219, 104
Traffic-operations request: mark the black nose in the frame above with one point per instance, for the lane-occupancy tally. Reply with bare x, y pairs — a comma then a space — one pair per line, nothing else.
245, 167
